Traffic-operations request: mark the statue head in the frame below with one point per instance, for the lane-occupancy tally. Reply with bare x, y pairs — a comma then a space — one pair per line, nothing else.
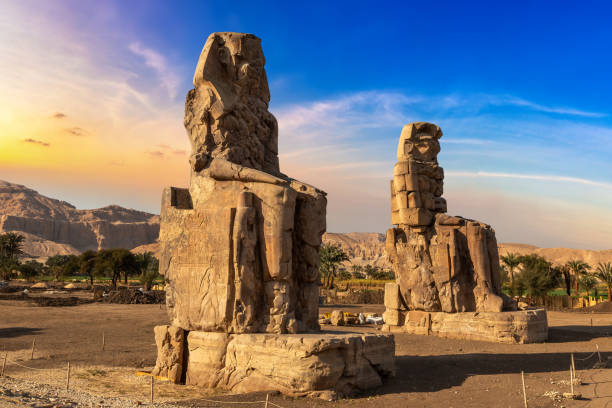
226, 114
419, 141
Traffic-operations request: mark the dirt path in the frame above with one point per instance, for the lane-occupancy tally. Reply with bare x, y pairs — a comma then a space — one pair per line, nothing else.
430, 371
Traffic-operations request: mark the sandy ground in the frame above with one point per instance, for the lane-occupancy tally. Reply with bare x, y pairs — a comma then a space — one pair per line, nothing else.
431, 371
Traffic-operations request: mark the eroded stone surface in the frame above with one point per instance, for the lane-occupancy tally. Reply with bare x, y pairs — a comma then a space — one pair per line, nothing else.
170, 341
525, 326
293, 364
239, 248
441, 263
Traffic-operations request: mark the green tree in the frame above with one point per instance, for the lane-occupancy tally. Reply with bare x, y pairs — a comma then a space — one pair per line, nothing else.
148, 266
331, 257
566, 273
87, 263
588, 282
537, 276
114, 263
11, 246
604, 273
62, 265
511, 261
357, 272
578, 268
30, 269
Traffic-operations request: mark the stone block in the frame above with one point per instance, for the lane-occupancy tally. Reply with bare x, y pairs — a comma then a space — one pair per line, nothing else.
295, 364
525, 326
393, 317
392, 297
170, 341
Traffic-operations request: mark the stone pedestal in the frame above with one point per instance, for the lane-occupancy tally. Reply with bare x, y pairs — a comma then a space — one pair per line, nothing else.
523, 326
294, 364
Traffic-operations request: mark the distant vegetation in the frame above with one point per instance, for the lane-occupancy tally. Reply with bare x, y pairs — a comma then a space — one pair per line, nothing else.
107, 264
532, 275
332, 260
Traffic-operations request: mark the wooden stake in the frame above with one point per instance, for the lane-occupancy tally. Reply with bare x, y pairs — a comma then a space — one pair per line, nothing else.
152, 381
598, 354
4, 363
573, 366
571, 381
103, 341
68, 377
267, 397
33, 344
524, 391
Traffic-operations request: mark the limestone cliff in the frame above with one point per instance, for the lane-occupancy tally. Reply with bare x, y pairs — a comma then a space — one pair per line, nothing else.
53, 226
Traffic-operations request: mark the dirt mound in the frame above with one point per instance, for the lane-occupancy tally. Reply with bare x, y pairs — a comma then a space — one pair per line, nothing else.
603, 307
45, 301
133, 296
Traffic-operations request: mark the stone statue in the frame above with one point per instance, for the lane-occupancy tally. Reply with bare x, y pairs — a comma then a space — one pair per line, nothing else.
240, 250
254, 231
441, 263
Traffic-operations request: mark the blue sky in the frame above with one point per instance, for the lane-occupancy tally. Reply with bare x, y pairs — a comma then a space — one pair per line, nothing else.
521, 91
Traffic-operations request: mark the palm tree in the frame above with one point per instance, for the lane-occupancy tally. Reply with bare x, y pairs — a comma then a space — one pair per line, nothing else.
511, 261
11, 245
604, 273
149, 268
578, 267
567, 278
331, 257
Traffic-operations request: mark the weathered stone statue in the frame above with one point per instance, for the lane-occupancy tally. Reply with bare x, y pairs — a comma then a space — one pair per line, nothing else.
240, 247
442, 263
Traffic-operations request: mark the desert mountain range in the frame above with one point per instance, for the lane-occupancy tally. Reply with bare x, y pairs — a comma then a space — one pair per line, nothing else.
52, 226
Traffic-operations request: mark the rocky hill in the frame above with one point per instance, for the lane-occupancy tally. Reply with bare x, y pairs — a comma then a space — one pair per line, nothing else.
558, 256
56, 227
369, 248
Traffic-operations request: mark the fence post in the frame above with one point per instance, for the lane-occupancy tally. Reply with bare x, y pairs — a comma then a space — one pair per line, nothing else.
4, 363
68, 377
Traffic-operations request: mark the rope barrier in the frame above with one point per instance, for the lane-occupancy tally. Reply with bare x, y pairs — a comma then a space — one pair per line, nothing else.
586, 358
31, 368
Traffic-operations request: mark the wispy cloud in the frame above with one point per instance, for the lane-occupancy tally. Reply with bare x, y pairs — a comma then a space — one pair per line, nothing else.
59, 115
156, 154
511, 100
36, 142
540, 177
158, 63
76, 131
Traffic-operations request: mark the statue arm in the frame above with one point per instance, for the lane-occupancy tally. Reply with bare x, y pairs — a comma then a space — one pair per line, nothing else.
221, 169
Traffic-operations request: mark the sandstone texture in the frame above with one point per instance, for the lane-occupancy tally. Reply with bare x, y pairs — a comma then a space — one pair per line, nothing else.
239, 248
170, 341
294, 364
441, 263
524, 326
362, 248
56, 227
